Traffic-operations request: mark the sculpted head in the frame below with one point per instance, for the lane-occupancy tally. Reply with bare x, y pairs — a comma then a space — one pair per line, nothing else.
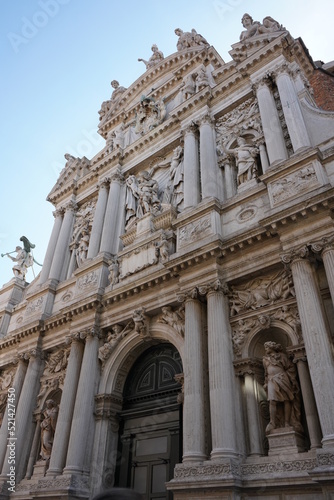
178, 32
246, 20
114, 84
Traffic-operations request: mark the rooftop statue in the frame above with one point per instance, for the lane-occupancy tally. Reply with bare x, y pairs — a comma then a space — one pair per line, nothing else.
155, 58
253, 28
115, 97
23, 258
189, 39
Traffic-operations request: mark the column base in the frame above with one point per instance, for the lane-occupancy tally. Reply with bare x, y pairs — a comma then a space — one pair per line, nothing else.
328, 441
40, 469
222, 453
285, 440
193, 457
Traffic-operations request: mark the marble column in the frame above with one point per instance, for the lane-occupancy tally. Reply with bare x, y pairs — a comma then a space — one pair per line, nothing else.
326, 248
316, 338
208, 158
191, 167
291, 109
58, 214
229, 180
271, 125
253, 421
263, 157
63, 241
194, 399
96, 234
35, 445
105, 437
222, 387
310, 406
82, 427
17, 386
66, 408
24, 428
110, 236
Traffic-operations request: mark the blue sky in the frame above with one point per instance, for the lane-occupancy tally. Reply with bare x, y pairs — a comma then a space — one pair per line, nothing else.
58, 58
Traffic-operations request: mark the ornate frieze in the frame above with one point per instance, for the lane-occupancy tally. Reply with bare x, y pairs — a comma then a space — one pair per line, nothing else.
88, 280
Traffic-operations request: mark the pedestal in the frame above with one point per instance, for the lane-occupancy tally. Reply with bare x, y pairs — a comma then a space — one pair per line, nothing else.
285, 440
40, 469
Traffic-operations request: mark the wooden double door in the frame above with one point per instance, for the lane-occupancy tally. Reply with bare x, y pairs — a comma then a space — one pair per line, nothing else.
150, 432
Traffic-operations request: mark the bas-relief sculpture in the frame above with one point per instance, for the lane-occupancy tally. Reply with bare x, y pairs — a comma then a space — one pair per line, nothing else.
174, 318
151, 113
282, 388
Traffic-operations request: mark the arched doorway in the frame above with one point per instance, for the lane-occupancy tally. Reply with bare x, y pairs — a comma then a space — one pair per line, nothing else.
150, 430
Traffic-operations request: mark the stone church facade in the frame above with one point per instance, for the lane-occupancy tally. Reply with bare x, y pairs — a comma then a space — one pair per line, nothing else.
179, 337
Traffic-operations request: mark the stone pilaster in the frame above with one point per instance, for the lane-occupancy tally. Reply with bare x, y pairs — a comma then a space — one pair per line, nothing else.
263, 156
63, 241
191, 167
96, 234
194, 398
58, 215
65, 416
291, 109
222, 387
208, 158
110, 236
82, 428
271, 125
326, 248
230, 183
310, 406
316, 338
17, 386
34, 447
24, 427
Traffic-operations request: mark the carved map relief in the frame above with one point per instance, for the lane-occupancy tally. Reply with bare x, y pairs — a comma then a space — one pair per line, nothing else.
293, 184
197, 229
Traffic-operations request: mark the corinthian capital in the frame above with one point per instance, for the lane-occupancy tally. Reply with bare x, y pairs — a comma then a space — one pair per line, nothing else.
214, 286
188, 294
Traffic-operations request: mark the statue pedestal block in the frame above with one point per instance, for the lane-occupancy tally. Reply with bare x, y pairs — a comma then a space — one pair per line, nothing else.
285, 440
40, 469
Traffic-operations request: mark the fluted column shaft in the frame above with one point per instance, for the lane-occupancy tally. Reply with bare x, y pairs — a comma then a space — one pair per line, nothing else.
63, 242
328, 260
58, 214
193, 411
62, 433
317, 343
109, 240
191, 168
254, 435
96, 234
82, 428
208, 158
17, 386
23, 421
292, 111
309, 404
221, 377
271, 125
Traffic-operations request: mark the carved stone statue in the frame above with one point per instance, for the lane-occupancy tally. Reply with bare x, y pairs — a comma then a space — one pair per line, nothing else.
202, 79
253, 28
113, 271
188, 86
150, 114
140, 322
82, 250
48, 427
115, 96
163, 248
23, 260
187, 40
148, 200
281, 387
155, 58
132, 195
245, 156
175, 319
174, 190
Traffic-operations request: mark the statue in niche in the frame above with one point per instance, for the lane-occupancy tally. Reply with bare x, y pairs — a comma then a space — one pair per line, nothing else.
113, 271
245, 157
282, 388
174, 191
82, 250
162, 247
132, 195
115, 96
187, 40
155, 58
202, 79
176, 319
150, 114
48, 427
253, 28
